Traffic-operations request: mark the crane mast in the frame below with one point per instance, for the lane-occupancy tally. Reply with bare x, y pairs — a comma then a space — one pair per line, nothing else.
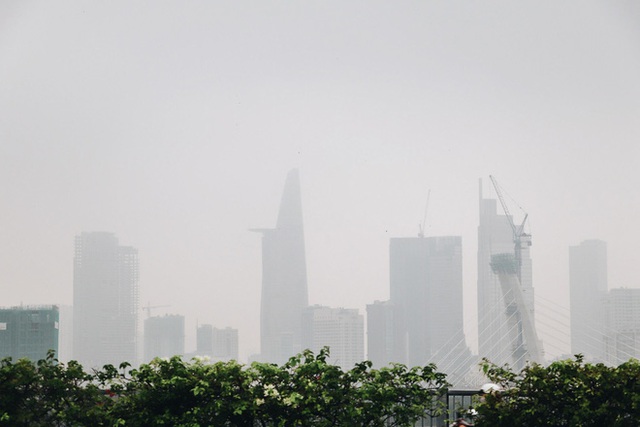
508, 268
518, 232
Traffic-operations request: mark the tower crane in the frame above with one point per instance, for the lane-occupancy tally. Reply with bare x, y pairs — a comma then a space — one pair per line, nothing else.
508, 268
519, 236
148, 307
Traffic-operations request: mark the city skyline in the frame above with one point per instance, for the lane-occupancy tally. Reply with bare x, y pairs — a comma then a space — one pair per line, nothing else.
290, 219
172, 126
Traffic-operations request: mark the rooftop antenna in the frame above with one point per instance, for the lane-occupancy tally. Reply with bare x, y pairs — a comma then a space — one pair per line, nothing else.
424, 218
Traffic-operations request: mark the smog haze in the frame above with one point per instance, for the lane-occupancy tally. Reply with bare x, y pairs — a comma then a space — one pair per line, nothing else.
174, 125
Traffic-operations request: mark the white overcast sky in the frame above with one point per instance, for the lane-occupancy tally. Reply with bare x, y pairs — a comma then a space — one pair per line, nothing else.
173, 125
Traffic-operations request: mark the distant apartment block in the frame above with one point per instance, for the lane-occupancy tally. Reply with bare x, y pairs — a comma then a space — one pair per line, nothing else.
588, 292
340, 329
220, 344
622, 339
385, 341
28, 332
204, 340
225, 343
105, 300
163, 336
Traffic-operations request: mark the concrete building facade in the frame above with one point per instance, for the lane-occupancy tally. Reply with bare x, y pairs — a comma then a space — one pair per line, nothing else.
28, 332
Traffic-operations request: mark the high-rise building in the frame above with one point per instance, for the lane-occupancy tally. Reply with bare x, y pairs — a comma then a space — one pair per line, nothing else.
204, 340
225, 343
426, 289
163, 336
105, 300
495, 236
385, 341
28, 332
340, 329
284, 278
217, 343
588, 291
622, 339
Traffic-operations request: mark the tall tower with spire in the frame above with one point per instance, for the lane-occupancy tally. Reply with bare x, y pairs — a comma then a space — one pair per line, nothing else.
284, 278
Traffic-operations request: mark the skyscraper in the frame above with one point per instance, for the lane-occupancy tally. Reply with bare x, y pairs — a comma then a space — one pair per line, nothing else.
588, 291
105, 300
426, 288
204, 340
340, 329
495, 236
284, 278
28, 332
163, 336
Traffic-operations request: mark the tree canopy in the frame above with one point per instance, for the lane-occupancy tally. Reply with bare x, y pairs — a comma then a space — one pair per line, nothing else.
305, 391
565, 393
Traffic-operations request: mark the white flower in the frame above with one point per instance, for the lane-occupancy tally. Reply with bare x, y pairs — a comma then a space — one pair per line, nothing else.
270, 390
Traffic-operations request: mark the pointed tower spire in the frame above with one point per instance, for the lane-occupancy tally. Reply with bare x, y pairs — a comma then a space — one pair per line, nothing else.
290, 214
284, 278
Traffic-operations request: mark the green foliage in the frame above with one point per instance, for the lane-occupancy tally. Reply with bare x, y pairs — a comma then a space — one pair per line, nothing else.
566, 393
49, 394
305, 391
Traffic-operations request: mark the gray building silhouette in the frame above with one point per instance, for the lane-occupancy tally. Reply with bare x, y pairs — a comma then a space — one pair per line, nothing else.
340, 329
385, 341
163, 336
284, 278
217, 343
588, 292
426, 289
622, 313
105, 300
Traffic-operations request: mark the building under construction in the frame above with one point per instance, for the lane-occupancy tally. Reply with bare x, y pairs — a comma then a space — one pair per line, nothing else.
505, 286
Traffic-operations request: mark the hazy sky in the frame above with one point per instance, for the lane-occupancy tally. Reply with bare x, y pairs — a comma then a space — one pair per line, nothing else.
173, 124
